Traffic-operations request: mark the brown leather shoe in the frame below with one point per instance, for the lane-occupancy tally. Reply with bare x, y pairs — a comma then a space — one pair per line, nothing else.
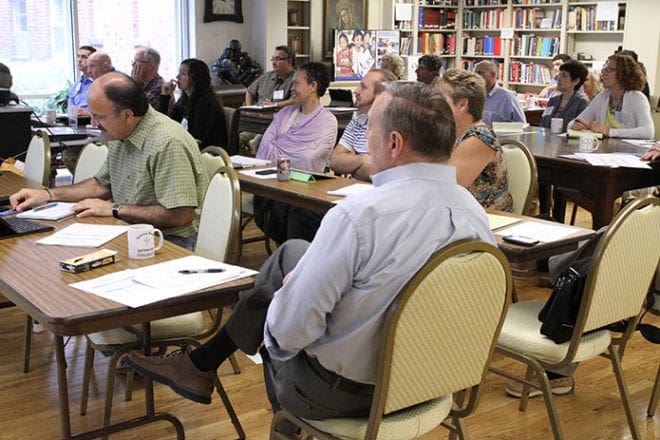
177, 371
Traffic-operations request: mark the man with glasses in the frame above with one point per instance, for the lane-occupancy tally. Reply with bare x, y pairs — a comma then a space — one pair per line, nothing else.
145, 71
153, 173
428, 69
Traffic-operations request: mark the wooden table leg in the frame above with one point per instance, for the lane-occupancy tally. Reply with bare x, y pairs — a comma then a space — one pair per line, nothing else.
62, 388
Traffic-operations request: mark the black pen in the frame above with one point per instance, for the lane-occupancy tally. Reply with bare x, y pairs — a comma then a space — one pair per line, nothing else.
191, 271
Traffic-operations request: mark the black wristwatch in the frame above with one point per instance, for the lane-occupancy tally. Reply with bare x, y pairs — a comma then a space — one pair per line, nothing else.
115, 210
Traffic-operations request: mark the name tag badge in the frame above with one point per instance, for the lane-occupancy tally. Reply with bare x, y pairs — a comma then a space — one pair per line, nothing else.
548, 111
619, 117
278, 95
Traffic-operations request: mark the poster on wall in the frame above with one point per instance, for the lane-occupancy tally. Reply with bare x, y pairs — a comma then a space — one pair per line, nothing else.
356, 52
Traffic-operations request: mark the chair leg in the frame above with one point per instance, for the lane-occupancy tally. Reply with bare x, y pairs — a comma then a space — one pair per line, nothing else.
128, 392
524, 398
623, 389
234, 364
27, 341
110, 385
87, 373
230, 409
653, 403
574, 213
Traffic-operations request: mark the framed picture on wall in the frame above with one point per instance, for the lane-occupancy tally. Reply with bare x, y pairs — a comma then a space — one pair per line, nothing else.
223, 10
341, 15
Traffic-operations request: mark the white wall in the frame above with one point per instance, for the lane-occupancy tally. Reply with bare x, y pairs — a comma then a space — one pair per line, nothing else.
643, 36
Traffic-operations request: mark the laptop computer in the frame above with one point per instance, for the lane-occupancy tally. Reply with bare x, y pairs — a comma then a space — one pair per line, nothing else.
12, 227
340, 98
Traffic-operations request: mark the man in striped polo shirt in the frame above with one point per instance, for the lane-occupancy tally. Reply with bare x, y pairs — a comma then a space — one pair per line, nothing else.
351, 155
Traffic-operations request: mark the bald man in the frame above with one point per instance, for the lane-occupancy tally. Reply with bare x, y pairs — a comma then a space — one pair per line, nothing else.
153, 173
501, 104
99, 63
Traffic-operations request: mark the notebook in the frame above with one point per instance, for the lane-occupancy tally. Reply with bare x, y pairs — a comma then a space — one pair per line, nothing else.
11, 227
49, 211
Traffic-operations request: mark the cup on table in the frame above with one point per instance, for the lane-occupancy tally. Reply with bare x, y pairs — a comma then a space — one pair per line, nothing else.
556, 125
141, 241
72, 113
51, 116
588, 143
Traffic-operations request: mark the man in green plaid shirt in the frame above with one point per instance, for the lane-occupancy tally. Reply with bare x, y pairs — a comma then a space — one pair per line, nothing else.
153, 173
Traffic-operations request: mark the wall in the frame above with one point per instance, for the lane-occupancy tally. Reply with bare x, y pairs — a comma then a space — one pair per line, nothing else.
643, 36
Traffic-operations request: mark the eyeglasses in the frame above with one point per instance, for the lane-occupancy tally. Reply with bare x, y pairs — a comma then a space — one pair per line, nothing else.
273, 59
134, 62
608, 69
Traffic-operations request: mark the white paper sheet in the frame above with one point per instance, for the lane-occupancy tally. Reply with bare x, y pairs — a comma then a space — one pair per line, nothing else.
541, 231
644, 143
238, 161
607, 11
84, 235
403, 11
498, 221
137, 287
253, 173
614, 160
258, 107
49, 211
355, 188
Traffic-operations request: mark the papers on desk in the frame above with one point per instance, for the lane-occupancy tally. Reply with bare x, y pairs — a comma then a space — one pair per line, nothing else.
499, 221
258, 107
149, 284
259, 174
577, 133
355, 188
509, 127
613, 160
49, 211
644, 143
544, 232
238, 162
84, 235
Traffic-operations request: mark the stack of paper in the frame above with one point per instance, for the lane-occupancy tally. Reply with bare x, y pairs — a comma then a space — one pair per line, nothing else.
613, 160
356, 188
49, 211
238, 161
545, 232
84, 235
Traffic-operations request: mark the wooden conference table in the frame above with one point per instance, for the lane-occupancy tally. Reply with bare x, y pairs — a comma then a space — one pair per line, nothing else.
601, 186
257, 121
31, 279
314, 196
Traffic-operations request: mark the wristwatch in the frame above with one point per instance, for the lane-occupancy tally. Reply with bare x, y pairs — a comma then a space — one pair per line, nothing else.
115, 210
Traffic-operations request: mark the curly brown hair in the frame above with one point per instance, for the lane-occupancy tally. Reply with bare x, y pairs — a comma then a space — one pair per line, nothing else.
628, 72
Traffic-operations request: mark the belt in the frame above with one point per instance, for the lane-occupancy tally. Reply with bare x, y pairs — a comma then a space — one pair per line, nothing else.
336, 381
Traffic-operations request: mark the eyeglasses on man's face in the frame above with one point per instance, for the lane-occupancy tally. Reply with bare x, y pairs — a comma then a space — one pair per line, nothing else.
134, 62
273, 59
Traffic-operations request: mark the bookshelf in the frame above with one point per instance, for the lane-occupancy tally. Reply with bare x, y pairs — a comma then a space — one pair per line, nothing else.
481, 33
298, 28
585, 33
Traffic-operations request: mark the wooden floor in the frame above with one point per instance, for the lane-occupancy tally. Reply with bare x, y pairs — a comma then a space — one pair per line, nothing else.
29, 409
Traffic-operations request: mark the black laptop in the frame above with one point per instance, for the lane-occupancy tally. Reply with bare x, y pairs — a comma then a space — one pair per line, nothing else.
12, 227
340, 98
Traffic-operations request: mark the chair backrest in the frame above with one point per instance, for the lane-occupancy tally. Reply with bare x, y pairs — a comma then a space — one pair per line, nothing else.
231, 119
90, 161
37, 159
522, 174
623, 266
214, 158
218, 236
441, 329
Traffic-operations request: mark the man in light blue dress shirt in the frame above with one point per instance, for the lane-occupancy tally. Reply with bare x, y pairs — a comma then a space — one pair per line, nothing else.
501, 104
323, 303
79, 89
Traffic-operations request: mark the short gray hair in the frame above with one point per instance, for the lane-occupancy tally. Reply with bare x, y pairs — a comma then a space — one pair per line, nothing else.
151, 55
422, 116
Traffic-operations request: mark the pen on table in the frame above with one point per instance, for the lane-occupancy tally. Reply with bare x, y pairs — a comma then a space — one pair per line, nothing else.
41, 208
7, 212
191, 271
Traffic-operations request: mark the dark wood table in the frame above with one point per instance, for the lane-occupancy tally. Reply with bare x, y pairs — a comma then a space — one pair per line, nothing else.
31, 279
599, 186
314, 196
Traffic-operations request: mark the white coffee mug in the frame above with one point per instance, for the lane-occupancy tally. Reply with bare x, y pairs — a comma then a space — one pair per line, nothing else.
141, 241
51, 116
556, 125
588, 143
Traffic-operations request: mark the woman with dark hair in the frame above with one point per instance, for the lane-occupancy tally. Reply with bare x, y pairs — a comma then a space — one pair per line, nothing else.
198, 108
621, 110
570, 101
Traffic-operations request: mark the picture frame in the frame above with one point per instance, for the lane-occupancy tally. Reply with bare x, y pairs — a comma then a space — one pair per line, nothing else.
223, 10
342, 15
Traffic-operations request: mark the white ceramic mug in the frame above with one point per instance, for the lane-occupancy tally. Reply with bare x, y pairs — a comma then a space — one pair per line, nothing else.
141, 241
51, 116
556, 125
588, 143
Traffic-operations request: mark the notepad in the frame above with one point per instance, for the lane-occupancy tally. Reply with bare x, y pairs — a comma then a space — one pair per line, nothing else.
49, 211
577, 133
497, 221
356, 188
508, 127
84, 235
238, 161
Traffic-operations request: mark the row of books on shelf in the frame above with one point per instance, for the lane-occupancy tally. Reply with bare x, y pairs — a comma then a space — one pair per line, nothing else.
436, 18
438, 2
536, 2
529, 73
536, 18
485, 2
489, 46
484, 19
436, 43
534, 46
583, 18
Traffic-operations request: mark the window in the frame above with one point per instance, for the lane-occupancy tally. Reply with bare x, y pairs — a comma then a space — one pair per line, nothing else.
41, 50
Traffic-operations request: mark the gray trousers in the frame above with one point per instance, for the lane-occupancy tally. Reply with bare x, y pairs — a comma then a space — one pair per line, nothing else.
300, 385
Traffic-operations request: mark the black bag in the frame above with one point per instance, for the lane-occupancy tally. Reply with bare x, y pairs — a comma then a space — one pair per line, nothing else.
559, 313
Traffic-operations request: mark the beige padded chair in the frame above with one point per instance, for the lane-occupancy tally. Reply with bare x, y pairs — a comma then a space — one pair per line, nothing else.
214, 158
523, 176
621, 271
37, 159
218, 231
457, 299
90, 161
